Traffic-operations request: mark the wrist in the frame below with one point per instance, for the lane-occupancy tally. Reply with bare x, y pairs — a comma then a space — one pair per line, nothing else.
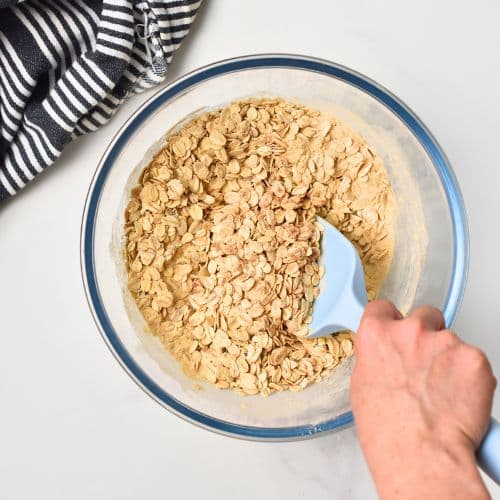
432, 468
450, 470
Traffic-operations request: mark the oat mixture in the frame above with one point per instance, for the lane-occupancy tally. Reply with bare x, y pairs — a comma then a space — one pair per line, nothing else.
222, 244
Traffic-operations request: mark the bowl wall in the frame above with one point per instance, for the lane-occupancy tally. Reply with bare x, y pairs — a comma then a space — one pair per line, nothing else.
430, 255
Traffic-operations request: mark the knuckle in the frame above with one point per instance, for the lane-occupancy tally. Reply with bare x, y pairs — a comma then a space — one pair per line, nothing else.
448, 337
433, 310
475, 357
431, 317
449, 334
426, 311
381, 307
489, 381
380, 303
478, 355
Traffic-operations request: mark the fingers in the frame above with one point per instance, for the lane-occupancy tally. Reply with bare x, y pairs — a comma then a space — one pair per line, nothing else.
382, 310
376, 317
431, 317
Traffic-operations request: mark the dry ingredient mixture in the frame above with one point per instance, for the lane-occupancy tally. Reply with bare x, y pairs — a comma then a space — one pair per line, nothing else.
222, 244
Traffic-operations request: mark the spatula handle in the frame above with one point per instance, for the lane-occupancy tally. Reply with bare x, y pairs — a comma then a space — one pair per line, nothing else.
488, 454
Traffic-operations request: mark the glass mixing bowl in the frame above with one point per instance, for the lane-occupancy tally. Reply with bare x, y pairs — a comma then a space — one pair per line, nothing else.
431, 246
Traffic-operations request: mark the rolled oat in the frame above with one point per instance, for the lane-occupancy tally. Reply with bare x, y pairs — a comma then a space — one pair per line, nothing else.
222, 245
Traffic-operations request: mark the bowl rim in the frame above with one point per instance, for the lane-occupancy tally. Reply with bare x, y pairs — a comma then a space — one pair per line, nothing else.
162, 97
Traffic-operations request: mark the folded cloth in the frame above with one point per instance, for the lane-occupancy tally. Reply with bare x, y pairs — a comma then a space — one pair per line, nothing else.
66, 66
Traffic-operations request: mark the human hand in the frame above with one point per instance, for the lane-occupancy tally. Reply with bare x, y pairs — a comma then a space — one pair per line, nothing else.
422, 401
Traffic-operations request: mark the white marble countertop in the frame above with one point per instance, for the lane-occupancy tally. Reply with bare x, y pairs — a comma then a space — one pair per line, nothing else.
72, 424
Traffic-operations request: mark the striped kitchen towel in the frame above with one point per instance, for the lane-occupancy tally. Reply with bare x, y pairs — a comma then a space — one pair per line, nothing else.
66, 66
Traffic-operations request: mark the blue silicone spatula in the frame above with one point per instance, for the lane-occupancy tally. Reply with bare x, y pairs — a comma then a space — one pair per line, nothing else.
340, 305
342, 298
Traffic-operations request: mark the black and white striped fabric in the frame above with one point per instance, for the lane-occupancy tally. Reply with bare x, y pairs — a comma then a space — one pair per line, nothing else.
66, 66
